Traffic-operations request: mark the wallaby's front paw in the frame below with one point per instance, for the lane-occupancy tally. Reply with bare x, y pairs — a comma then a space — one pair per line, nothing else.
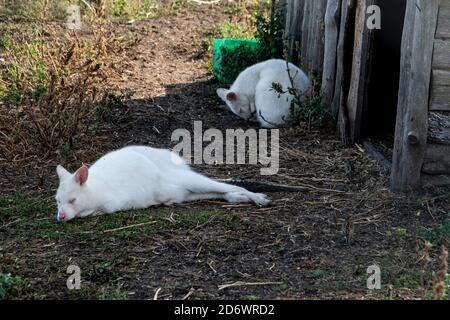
261, 199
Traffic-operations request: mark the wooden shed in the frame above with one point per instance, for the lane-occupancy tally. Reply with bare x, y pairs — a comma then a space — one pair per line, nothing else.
386, 82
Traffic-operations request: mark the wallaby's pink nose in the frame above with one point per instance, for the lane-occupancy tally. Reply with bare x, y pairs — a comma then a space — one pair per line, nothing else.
61, 216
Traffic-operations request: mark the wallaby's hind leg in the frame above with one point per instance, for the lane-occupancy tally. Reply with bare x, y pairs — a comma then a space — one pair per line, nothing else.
204, 196
199, 184
230, 197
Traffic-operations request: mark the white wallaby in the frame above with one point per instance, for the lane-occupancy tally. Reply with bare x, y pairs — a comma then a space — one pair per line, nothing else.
138, 177
253, 98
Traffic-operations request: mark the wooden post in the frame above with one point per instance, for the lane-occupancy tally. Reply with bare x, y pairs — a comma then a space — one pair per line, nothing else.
412, 113
359, 82
332, 21
306, 32
343, 69
294, 21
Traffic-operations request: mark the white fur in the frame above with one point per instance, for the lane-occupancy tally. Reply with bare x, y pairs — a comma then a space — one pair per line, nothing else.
139, 177
254, 97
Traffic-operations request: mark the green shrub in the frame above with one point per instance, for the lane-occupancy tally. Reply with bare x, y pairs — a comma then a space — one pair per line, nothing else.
269, 31
231, 56
439, 234
305, 107
9, 285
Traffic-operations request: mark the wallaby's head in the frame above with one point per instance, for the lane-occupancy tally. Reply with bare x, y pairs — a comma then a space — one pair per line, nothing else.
238, 103
72, 194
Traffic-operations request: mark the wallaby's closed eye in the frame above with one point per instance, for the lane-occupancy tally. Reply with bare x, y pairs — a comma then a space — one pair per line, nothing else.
252, 97
138, 177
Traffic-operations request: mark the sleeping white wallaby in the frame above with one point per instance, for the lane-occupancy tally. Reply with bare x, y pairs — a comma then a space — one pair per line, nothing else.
138, 177
252, 97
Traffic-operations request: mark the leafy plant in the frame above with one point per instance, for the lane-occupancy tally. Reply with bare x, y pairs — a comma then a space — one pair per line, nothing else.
119, 7
305, 106
115, 294
269, 31
231, 58
439, 234
318, 273
397, 234
9, 285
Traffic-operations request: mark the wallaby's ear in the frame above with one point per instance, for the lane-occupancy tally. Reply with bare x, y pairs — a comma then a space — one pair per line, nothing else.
222, 93
81, 175
232, 96
62, 172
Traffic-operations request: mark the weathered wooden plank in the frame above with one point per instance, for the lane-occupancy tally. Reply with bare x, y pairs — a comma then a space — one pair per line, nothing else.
437, 159
281, 6
440, 90
343, 67
443, 27
306, 32
360, 69
431, 181
311, 37
294, 22
316, 39
415, 75
377, 155
441, 58
332, 20
439, 128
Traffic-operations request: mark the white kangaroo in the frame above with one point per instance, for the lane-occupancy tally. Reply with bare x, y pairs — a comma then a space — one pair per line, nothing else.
252, 96
138, 177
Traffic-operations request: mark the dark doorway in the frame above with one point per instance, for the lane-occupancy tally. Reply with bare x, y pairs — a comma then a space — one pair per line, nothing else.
380, 113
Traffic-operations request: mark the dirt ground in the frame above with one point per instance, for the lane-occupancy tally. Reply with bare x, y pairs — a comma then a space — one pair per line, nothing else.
315, 244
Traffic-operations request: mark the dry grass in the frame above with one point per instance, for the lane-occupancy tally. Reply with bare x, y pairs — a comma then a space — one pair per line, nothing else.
51, 86
440, 277
56, 10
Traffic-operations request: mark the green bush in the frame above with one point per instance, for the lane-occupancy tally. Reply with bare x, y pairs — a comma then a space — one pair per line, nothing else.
269, 31
305, 107
231, 56
9, 285
440, 234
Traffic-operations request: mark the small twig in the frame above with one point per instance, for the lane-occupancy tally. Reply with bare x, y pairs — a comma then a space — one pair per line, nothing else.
241, 284
130, 226
155, 297
212, 268
188, 294
87, 5
156, 130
